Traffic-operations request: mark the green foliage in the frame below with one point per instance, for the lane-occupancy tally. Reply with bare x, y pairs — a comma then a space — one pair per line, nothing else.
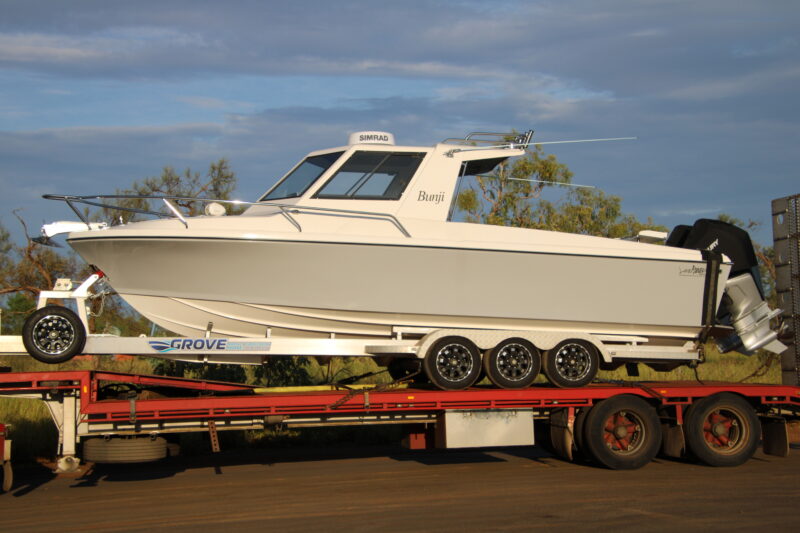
17, 307
512, 196
218, 183
505, 196
336, 369
209, 371
282, 372
31, 268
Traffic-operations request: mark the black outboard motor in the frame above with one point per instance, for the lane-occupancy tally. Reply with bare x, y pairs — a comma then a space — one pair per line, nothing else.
742, 305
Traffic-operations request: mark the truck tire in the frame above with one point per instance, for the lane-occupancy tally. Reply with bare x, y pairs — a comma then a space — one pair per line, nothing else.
622, 432
572, 363
121, 450
513, 364
53, 334
579, 435
722, 430
453, 363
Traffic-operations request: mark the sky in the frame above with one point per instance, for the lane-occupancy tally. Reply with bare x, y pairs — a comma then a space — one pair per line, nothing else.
97, 94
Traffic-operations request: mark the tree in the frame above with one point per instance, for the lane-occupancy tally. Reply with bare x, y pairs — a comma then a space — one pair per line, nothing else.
504, 197
25, 270
218, 183
512, 196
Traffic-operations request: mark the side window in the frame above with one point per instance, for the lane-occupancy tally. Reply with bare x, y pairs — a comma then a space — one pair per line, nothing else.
467, 196
372, 176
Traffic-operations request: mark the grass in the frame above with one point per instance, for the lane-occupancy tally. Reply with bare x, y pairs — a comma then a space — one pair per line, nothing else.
35, 435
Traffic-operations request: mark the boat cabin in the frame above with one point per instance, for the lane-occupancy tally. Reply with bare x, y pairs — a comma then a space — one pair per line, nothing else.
373, 174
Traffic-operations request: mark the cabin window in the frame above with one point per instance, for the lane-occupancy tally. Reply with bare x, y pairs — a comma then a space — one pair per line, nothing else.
300, 179
467, 186
369, 175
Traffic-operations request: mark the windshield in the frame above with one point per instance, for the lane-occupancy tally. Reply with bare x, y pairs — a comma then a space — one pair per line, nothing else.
373, 175
300, 179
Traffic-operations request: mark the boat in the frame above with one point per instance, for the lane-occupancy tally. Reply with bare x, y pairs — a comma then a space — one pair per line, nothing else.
360, 241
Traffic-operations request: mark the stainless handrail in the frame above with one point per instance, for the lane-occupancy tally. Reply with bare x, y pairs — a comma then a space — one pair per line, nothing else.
493, 138
285, 209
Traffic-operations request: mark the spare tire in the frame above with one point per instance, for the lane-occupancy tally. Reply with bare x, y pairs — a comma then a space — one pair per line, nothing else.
124, 450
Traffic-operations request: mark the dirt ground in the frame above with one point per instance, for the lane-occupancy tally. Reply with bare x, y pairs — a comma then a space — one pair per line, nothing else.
391, 489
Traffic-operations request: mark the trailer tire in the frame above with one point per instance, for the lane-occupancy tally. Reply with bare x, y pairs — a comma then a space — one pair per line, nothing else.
622, 432
453, 363
121, 450
722, 430
53, 334
572, 363
512, 364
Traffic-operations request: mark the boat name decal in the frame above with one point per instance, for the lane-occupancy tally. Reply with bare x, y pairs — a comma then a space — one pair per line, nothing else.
428, 197
228, 345
694, 271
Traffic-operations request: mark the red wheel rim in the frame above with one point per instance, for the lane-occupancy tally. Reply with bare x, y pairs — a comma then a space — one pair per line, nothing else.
623, 432
724, 430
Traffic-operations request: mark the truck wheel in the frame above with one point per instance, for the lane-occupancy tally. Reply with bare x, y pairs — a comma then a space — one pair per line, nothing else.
453, 363
121, 450
513, 364
722, 430
53, 334
572, 363
622, 432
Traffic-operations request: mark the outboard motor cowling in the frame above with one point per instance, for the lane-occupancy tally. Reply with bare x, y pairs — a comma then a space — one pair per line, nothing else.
743, 305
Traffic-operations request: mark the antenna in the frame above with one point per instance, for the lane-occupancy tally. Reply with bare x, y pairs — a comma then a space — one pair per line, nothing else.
587, 140
537, 181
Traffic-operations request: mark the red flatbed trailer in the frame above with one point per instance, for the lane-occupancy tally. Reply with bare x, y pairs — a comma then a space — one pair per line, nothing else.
619, 425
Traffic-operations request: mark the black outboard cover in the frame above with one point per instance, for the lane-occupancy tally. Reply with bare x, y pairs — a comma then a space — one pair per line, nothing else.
733, 241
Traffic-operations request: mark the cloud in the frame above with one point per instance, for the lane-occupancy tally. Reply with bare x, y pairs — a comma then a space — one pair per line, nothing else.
769, 48
715, 89
205, 102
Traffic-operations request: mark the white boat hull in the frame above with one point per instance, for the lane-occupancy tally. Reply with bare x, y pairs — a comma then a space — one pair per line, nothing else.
311, 289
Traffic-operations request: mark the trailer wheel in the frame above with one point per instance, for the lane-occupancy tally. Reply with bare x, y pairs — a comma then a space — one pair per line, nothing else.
453, 363
622, 432
121, 450
513, 364
722, 430
572, 363
53, 334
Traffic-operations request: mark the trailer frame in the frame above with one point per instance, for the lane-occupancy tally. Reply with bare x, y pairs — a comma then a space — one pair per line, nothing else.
156, 405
